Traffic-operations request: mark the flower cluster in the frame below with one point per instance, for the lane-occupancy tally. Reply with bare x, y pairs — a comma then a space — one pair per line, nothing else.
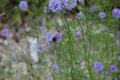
53, 38
57, 5
98, 66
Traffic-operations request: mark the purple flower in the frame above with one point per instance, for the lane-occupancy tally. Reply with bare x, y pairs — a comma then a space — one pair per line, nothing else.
98, 66
104, 73
81, 0
23, 5
55, 68
69, 4
93, 8
6, 42
113, 68
40, 48
59, 37
48, 35
55, 5
102, 15
116, 13
5, 31
53, 38
78, 34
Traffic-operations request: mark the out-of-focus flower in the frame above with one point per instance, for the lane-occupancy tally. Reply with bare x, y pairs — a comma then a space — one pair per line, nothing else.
59, 37
102, 15
104, 73
55, 68
53, 38
6, 42
93, 8
40, 48
23, 5
113, 68
48, 35
80, 15
78, 34
55, 5
98, 66
81, 0
116, 13
5, 32
69, 4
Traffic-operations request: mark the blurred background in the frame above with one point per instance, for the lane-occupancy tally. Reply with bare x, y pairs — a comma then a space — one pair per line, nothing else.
23, 25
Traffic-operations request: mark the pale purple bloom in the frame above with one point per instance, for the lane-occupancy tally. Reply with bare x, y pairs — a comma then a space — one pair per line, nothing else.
5, 31
6, 42
40, 48
98, 66
55, 68
23, 5
102, 15
81, 0
93, 8
113, 68
59, 37
69, 4
52, 38
78, 34
116, 13
104, 73
48, 35
55, 5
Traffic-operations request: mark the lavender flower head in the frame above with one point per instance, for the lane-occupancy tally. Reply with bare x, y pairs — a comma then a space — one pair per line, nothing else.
93, 8
53, 38
6, 42
98, 66
81, 0
40, 48
78, 34
23, 5
55, 68
5, 32
113, 68
48, 35
116, 13
55, 5
102, 15
69, 4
